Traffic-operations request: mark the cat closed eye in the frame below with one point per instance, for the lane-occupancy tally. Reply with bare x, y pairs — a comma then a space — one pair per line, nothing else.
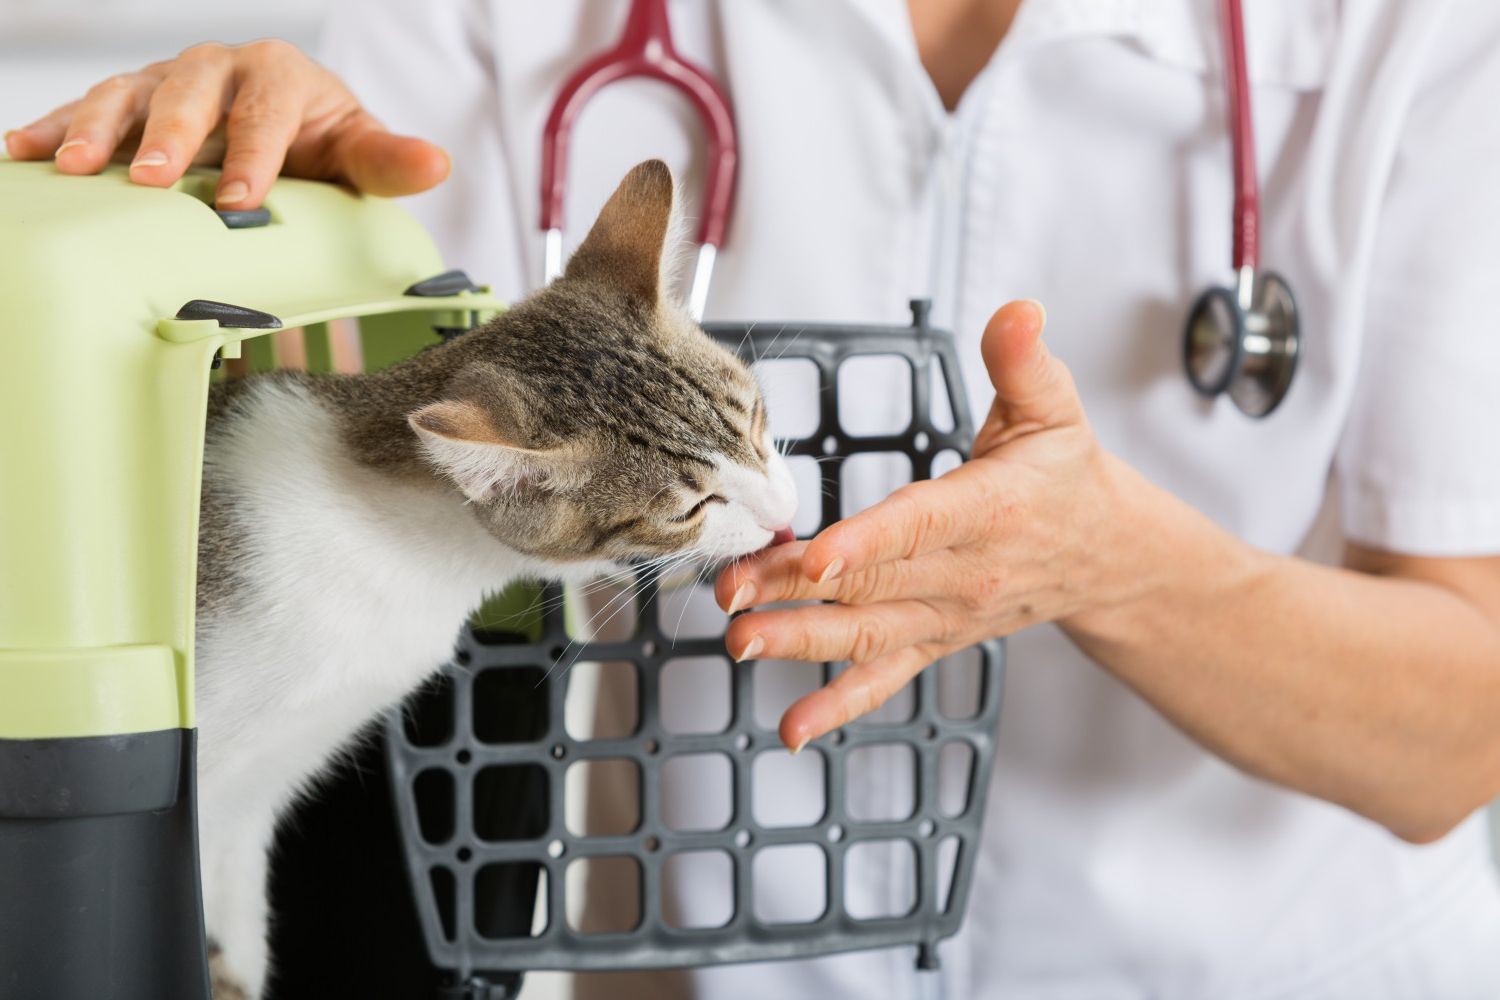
698, 508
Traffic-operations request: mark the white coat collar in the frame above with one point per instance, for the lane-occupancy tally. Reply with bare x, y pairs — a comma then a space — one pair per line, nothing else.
1288, 45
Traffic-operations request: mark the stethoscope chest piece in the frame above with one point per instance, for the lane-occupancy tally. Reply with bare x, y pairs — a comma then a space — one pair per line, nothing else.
1244, 342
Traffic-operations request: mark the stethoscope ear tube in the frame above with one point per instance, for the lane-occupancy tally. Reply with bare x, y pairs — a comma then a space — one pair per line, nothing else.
645, 49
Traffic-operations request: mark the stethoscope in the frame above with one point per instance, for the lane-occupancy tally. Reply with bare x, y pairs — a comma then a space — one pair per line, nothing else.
645, 49
1242, 341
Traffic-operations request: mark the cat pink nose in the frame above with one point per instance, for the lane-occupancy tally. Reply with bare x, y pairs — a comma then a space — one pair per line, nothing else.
782, 535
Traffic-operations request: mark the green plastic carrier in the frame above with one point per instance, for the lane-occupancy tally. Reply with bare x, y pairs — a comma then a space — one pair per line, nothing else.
119, 301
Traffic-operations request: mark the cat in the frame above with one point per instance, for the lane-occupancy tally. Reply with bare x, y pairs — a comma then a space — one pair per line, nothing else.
350, 523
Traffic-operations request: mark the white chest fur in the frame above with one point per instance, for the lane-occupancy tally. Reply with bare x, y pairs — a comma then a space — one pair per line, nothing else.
352, 588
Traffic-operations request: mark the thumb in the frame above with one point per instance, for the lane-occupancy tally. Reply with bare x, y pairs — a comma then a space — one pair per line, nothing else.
380, 163
1031, 386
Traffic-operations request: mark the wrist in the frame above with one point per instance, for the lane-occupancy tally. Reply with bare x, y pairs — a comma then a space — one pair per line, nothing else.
1161, 560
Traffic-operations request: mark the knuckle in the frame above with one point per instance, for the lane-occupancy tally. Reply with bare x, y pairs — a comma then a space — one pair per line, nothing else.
951, 628
170, 129
248, 143
874, 584
177, 113
115, 86
248, 160
254, 117
867, 639
270, 49
204, 52
253, 147
908, 511
178, 89
933, 524
941, 621
785, 583
860, 588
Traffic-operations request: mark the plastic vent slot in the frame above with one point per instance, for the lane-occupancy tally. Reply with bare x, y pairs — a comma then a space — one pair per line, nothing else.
494, 893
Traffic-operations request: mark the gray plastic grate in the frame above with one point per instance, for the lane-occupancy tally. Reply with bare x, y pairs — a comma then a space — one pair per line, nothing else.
497, 761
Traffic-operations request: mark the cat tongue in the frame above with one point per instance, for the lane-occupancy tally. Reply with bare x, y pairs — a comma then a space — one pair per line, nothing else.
782, 536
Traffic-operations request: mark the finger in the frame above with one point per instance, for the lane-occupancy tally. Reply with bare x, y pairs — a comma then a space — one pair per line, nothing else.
1031, 386
915, 520
40, 139
184, 109
777, 578
380, 163
104, 117
263, 120
827, 632
742, 583
856, 691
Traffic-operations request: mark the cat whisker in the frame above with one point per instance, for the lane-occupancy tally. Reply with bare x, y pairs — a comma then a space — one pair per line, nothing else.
697, 582
619, 603
639, 576
790, 343
740, 347
588, 629
773, 342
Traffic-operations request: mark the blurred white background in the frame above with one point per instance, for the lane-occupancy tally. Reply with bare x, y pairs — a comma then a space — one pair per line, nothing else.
53, 50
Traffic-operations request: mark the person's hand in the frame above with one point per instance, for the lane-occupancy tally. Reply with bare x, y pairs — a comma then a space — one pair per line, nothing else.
255, 108
1039, 525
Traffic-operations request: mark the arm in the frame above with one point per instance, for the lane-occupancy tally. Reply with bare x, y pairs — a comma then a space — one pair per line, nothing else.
1376, 687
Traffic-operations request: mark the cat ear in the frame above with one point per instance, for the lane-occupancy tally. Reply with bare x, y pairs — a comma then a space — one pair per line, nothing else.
461, 439
625, 246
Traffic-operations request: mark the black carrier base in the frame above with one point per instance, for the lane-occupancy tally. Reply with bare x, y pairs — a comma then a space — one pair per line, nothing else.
99, 893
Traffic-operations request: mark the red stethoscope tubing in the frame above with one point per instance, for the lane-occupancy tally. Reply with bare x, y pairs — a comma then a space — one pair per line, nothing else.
1242, 138
645, 49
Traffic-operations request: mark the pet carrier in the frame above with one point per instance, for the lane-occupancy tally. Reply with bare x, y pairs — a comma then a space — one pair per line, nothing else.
118, 299
121, 300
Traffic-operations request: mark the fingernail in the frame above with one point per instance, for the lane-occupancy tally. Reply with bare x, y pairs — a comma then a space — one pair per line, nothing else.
742, 598
155, 158
832, 570
798, 748
752, 649
1041, 310
69, 145
232, 192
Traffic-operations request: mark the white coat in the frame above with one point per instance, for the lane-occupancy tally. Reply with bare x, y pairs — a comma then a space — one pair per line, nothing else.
1088, 167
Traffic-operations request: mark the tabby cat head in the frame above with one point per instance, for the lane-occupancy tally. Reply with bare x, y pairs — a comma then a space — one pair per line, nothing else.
595, 421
